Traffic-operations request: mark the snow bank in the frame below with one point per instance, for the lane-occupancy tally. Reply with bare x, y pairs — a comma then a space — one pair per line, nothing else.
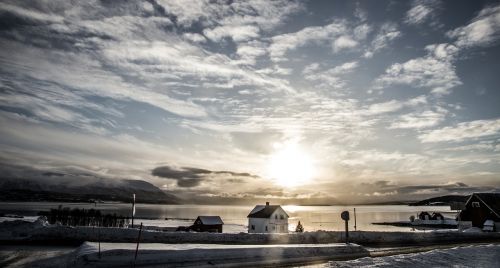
469, 256
19, 229
113, 255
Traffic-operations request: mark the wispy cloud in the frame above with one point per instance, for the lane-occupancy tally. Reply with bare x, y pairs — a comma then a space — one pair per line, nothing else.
317, 34
483, 30
421, 11
434, 71
237, 33
126, 87
419, 120
329, 78
385, 35
463, 131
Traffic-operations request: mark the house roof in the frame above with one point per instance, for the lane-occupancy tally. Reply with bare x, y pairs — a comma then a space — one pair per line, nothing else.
210, 220
491, 200
261, 211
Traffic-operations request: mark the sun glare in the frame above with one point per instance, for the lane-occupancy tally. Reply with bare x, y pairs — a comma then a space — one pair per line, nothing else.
290, 166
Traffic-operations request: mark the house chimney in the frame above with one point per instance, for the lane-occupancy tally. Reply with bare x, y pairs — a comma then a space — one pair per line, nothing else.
267, 204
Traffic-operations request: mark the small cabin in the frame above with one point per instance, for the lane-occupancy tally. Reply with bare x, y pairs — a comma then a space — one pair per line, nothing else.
211, 224
268, 219
424, 215
481, 210
437, 216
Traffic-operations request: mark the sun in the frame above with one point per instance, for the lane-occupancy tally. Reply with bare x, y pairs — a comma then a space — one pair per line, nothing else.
290, 166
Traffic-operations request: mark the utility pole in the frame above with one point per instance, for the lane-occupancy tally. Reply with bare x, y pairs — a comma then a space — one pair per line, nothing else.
133, 209
138, 241
355, 219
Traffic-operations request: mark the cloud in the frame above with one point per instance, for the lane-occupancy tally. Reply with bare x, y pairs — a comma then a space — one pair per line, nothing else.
117, 86
385, 107
343, 42
249, 52
27, 15
340, 35
237, 33
443, 51
386, 34
194, 37
488, 145
463, 131
434, 71
482, 31
395, 105
421, 11
419, 120
264, 14
260, 142
84, 73
390, 188
329, 78
188, 177
316, 34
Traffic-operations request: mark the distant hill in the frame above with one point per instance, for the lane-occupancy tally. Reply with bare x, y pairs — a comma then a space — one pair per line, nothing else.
445, 200
85, 189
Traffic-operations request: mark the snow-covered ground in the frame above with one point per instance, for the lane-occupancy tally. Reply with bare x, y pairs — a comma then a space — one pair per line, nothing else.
25, 218
464, 256
483, 256
35, 256
92, 247
203, 255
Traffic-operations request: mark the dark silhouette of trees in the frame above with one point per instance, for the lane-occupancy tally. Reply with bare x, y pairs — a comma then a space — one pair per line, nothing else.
299, 228
84, 217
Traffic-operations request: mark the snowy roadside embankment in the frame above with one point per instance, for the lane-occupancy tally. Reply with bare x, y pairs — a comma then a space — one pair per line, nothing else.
468, 256
39, 231
120, 255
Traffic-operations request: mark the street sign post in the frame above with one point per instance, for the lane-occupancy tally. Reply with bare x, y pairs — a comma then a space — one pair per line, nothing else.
345, 216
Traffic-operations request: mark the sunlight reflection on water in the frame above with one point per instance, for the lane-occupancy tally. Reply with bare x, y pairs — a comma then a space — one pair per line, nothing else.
313, 218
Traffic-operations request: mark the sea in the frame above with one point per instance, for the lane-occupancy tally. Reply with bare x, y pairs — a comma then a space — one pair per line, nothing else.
312, 218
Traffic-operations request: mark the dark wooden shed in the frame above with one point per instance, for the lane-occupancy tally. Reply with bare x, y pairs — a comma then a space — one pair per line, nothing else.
481, 207
211, 224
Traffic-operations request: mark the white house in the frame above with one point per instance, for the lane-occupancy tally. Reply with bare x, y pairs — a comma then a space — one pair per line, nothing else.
267, 219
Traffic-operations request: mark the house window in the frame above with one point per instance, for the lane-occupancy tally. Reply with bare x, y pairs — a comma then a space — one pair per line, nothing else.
282, 217
266, 228
475, 204
276, 216
253, 227
274, 227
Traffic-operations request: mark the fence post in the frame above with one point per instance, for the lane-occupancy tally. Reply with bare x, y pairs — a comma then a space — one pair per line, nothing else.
138, 241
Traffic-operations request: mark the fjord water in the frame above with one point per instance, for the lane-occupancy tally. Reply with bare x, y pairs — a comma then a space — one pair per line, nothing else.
313, 218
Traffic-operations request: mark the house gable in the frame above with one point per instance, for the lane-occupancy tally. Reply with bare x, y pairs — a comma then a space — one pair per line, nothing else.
209, 220
266, 211
481, 207
491, 201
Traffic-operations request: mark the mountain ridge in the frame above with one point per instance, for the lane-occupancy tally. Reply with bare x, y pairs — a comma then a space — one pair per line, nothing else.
86, 190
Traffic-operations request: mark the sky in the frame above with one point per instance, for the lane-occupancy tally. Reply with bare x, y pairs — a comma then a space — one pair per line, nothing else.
359, 101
